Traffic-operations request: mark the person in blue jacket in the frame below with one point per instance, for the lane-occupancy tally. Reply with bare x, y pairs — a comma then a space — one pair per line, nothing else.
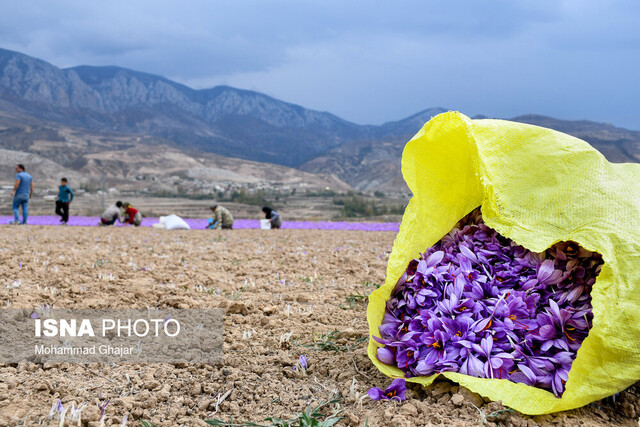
65, 196
22, 192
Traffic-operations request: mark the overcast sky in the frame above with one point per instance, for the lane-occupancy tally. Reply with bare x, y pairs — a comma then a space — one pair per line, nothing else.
366, 61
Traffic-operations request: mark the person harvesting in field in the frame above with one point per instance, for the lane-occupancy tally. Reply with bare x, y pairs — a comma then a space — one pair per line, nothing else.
131, 214
111, 214
21, 193
222, 218
65, 197
272, 216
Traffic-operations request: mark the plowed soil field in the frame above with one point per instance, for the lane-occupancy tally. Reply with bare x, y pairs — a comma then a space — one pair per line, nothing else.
286, 293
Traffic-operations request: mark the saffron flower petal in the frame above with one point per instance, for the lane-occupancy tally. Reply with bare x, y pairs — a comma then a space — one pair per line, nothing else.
395, 391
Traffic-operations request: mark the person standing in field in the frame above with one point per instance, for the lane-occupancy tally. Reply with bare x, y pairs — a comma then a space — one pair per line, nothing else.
65, 196
22, 192
272, 216
222, 218
111, 214
131, 214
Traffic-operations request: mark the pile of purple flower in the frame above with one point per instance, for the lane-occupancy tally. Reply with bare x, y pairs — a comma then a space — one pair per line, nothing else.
479, 304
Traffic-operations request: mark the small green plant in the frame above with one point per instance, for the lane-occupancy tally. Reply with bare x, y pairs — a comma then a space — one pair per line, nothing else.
148, 423
234, 295
311, 417
354, 299
495, 414
371, 285
327, 342
500, 412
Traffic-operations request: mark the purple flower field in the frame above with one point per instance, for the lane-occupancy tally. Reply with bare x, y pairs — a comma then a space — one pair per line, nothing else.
201, 223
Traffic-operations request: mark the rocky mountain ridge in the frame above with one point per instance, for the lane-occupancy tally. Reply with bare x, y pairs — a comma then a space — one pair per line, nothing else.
235, 123
221, 120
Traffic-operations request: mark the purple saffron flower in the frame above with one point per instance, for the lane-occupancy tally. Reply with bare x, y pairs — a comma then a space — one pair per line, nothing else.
482, 290
103, 407
395, 391
472, 366
455, 303
497, 365
530, 377
547, 274
558, 328
468, 253
390, 326
407, 356
563, 361
428, 364
386, 356
303, 361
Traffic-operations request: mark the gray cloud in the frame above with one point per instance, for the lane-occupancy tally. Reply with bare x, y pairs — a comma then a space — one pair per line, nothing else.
367, 61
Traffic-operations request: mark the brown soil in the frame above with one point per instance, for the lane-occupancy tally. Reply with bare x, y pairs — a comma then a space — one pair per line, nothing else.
282, 291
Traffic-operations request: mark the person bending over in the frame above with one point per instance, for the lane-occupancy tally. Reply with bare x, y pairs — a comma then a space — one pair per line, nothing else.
272, 216
222, 218
131, 215
111, 214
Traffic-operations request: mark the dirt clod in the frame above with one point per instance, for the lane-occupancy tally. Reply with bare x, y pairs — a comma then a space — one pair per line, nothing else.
471, 397
457, 399
269, 310
440, 389
444, 398
409, 410
628, 410
238, 308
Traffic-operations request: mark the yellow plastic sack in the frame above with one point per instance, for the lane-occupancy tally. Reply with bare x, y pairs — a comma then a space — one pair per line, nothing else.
537, 187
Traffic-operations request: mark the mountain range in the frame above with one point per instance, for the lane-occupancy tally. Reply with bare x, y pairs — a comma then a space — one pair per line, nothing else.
224, 121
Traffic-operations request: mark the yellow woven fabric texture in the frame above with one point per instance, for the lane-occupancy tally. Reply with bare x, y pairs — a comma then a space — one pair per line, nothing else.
537, 187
